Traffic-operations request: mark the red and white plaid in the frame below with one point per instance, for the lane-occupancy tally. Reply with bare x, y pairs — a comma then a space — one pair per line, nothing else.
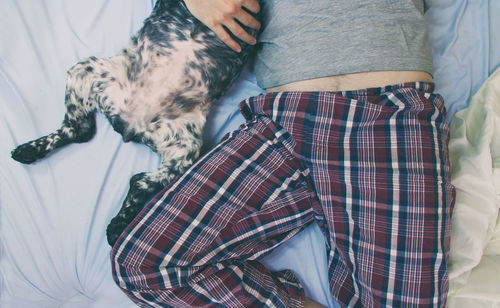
369, 166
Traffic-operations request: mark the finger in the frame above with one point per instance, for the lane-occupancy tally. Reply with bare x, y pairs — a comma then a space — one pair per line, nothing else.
252, 5
239, 32
248, 20
226, 38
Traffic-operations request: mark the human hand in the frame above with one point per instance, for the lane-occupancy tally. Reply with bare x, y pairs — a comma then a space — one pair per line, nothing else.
221, 15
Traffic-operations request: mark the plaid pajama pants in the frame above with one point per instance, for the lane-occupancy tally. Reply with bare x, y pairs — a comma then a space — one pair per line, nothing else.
369, 166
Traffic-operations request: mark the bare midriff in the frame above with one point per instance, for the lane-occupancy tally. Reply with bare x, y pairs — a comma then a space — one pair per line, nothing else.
355, 81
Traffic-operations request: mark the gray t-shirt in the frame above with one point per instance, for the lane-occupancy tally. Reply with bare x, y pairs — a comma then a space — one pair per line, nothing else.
305, 39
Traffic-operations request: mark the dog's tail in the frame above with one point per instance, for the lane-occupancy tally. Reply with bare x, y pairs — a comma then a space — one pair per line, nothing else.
70, 132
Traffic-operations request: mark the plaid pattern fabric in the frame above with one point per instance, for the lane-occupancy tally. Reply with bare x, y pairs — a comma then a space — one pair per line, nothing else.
369, 166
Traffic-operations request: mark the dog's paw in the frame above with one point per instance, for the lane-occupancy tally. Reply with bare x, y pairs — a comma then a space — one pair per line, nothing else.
25, 153
140, 192
118, 224
115, 229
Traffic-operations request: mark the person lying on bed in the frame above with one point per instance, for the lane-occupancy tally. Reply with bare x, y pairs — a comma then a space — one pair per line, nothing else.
349, 136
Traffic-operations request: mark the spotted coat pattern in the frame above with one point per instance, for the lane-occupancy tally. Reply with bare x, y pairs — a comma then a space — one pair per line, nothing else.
156, 91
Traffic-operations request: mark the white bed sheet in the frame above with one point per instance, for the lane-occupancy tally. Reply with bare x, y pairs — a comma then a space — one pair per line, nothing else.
474, 265
54, 213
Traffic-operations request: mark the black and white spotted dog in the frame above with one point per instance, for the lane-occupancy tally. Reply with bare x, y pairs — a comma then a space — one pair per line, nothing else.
156, 91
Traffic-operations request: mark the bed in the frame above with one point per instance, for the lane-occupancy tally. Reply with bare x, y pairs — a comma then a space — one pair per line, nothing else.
53, 214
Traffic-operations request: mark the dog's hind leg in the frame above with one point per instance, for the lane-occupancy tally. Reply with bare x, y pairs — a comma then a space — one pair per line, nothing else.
144, 186
79, 120
32, 151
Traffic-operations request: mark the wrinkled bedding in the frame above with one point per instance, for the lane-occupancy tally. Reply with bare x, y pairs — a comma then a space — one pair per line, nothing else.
475, 157
53, 214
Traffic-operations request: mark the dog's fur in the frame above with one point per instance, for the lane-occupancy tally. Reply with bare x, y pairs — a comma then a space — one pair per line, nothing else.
156, 91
